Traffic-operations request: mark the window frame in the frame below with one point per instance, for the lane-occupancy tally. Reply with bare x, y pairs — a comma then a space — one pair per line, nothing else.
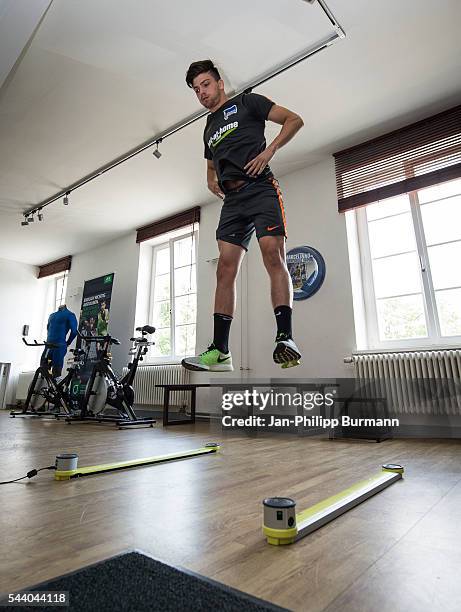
62, 301
169, 243
434, 338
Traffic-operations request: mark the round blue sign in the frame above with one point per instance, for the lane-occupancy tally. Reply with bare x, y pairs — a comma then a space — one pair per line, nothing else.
307, 270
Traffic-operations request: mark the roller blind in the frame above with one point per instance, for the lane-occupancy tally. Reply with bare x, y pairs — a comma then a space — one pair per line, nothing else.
415, 156
54, 267
182, 219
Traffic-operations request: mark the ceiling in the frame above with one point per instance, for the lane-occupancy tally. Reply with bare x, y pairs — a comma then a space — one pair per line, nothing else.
96, 79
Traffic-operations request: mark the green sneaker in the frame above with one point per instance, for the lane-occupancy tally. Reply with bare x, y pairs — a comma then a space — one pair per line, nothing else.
211, 360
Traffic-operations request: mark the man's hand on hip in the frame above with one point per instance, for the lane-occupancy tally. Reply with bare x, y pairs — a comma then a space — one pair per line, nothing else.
216, 189
257, 165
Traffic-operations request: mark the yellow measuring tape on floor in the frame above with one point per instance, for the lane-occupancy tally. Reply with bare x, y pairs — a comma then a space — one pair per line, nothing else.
281, 524
66, 463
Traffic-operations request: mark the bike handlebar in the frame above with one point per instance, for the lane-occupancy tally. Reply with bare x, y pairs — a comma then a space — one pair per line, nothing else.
146, 329
35, 343
98, 338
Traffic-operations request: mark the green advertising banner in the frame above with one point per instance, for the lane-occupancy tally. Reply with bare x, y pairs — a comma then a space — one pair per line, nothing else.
94, 321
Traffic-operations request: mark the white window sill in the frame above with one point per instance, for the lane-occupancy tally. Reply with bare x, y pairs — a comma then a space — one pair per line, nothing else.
410, 349
159, 363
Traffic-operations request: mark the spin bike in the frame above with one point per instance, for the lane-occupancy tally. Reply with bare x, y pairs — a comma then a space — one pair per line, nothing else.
46, 395
104, 390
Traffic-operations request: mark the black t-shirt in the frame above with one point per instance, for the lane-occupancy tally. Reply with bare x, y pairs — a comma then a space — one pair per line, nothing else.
234, 135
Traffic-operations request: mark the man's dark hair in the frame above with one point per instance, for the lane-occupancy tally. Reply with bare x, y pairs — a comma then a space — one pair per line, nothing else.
198, 68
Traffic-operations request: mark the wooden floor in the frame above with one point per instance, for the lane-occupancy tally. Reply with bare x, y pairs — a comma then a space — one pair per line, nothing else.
397, 551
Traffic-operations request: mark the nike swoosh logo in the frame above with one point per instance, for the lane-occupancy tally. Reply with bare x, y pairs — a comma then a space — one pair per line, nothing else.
221, 360
269, 229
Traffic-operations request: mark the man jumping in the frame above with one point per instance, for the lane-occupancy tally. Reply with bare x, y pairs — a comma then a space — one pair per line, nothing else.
238, 173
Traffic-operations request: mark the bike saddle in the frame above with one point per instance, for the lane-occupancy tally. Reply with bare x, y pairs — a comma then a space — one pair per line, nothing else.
114, 341
147, 329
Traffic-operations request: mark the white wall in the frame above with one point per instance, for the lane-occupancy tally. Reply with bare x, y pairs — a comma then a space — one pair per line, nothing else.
18, 20
122, 257
22, 302
143, 286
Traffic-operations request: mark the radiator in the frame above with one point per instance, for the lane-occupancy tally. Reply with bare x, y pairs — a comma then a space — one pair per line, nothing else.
4, 375
24, 380
415, 382
148, 376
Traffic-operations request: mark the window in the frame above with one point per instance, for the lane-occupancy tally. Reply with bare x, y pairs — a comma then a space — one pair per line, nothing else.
60, 287
173, 310
54, 296
410, 248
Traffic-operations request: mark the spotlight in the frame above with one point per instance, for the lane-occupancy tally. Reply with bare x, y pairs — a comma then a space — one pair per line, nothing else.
25, 222
157, 153
66, 199
31, 218
40, 215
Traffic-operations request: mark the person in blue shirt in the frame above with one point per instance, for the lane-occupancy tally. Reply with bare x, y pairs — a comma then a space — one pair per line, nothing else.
60, 323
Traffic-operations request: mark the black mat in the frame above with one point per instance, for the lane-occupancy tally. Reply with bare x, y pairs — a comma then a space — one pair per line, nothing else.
134, 582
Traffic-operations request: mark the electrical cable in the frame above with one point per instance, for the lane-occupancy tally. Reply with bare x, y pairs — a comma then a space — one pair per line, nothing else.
30, 474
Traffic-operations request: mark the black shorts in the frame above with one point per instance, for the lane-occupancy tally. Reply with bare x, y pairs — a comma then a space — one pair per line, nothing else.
255, 206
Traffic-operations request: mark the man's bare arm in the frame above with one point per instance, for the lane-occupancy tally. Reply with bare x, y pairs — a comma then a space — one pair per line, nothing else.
212, 180
290, 122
